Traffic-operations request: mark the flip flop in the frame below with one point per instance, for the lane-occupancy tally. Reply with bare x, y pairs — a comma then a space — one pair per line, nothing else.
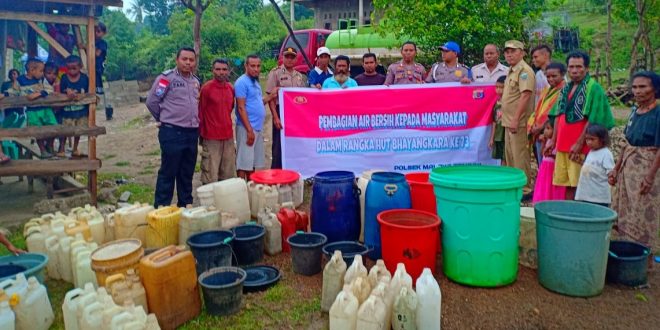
4, 160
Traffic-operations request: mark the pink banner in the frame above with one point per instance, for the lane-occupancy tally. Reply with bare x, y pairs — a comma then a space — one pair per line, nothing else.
402, 128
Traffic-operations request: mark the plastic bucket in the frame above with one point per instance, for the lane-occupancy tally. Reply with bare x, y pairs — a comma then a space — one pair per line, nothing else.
32, 264
421, 192
206, 195
116, 257
211, 249
573, 241
410, 237
306, 252
349, 250
627, 263
222, 288
527, 242
249, 243
480, 211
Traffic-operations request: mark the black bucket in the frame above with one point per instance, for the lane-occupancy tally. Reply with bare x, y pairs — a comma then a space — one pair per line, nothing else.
306, 252
211, 249
627, 263
249, 243
222, 288
349, 249
11, 270
109, 111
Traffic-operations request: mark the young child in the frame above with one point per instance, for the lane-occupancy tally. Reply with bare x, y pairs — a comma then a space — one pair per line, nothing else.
74, 84
32, 86
51, 78
544, 189
497, 133
592, 185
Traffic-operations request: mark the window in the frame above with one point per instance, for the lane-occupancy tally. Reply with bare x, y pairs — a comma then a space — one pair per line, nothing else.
303, 39
328, 26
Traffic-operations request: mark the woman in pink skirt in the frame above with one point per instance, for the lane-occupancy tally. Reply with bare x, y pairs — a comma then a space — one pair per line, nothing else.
544, 189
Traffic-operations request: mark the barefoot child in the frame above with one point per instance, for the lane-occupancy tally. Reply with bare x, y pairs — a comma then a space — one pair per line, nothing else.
593, 186
32, 86
74, 84
497, 133
544, 189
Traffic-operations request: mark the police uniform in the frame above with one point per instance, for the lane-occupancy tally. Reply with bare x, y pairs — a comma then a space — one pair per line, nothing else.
281, 77
173, 102
481, 73
400, 73
516, 147
440, 73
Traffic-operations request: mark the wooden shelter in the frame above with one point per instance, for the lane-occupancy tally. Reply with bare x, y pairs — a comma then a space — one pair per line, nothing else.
77, 13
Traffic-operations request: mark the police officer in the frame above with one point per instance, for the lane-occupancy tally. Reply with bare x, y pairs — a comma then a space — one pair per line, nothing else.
449, 70
491, 69
517, 105
282, 76
406, 71
173, 101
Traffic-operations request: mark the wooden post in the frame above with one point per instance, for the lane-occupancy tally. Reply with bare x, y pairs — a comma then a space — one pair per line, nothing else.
3, 49
292, 12
52, 42
32, 48
91, 65
360, 13
81, 51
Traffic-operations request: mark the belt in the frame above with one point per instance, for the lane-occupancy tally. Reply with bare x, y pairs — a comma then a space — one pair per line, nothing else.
190, 129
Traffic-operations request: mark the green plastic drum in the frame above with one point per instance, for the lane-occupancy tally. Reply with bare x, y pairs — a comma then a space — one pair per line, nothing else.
480, 211
573, 244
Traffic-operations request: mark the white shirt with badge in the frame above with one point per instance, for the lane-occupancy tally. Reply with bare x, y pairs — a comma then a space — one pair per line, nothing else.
592, 185
480, 72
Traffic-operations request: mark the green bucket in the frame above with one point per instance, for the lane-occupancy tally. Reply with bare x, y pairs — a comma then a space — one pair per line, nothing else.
573, 243
480, 211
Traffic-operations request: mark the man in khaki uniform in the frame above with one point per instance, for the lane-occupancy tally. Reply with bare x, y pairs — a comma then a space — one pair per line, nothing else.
517, 106
282, 76
449, 70
406, 71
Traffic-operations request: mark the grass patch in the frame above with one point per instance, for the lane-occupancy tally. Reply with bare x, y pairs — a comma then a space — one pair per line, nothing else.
106, 157
278, 293
139, 192
153, 153
82, 177
146, 172
136, 122
620, 121
198, 167
122, 163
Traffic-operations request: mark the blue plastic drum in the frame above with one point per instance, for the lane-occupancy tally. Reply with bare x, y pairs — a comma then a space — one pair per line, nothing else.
385, 191
335, 209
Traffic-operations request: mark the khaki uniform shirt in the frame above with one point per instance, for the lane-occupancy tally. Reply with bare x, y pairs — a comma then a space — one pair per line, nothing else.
399, 73
280, 77
521, 78
480, 72
440, 73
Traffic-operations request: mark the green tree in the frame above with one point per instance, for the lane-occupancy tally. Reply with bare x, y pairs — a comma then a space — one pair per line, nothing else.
121, 37
156, 13
645, 15
472, 24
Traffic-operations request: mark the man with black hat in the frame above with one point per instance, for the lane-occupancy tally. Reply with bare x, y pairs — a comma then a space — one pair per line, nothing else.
449, 70
282, 76
517, 106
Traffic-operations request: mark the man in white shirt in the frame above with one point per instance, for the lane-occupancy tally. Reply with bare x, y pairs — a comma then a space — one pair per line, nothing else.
541, 57
491, 69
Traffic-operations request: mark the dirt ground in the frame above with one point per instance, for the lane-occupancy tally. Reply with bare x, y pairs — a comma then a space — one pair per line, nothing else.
131, 148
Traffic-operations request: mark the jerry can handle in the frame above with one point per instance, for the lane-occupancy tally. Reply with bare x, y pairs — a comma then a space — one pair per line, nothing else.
114, 278
227, 240
162, 255
390, 189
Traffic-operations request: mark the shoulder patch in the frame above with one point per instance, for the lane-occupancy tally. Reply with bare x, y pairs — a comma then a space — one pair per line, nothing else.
523, 76
167, 72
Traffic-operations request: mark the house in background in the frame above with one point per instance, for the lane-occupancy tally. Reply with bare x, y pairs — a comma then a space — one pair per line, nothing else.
327, 13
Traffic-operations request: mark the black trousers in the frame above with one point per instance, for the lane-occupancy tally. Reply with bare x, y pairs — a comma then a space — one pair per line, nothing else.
276, 148
178, 148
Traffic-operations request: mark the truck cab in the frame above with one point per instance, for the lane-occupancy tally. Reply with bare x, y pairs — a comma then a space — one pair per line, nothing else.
310, 40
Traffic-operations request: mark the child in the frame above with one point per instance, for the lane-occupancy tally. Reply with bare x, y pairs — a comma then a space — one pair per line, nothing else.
497, 133
31, 86
592, 185
73, 84
544, 189
51, 78
101, 47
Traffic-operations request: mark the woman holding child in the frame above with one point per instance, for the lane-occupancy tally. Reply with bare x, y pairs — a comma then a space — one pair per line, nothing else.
635, 175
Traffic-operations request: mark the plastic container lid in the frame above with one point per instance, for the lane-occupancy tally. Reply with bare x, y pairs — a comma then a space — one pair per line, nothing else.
260, 278
275, 176
478, 177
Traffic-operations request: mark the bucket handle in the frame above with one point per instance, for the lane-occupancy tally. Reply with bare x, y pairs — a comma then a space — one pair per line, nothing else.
390, 189
114, 278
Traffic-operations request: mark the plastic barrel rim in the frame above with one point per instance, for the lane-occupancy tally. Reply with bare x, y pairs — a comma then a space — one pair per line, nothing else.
478, 177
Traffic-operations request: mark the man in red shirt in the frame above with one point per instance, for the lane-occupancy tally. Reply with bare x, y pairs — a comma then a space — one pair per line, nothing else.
216, 103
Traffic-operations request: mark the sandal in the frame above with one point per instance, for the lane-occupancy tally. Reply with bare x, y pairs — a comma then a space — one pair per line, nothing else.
4, 159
